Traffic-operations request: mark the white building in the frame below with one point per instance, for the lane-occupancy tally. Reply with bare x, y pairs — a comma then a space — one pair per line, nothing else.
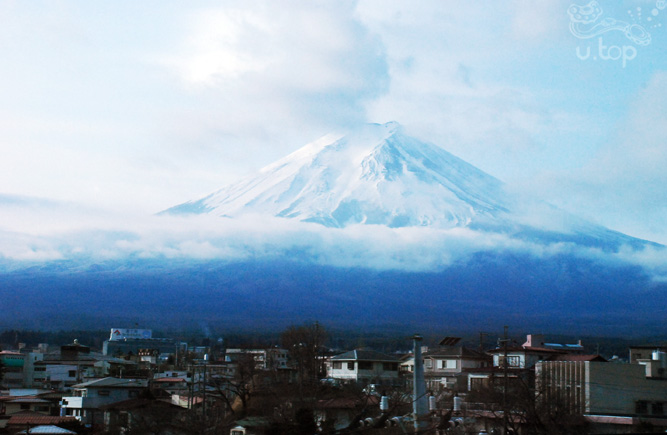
365, 366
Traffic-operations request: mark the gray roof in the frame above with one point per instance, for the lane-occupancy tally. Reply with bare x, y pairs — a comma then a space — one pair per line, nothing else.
28, 400
48, 430
364, 355
113, 383
455, 352
56, 357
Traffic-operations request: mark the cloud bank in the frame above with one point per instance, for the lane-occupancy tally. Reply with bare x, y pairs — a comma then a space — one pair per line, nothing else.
105, 238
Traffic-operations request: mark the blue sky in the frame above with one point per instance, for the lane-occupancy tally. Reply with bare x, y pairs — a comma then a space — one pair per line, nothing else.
123, 109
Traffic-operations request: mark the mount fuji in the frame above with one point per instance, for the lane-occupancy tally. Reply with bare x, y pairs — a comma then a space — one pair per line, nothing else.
378, 175
367, 230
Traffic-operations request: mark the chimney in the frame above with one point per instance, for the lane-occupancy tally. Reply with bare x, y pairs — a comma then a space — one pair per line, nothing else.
534, 340
419, 401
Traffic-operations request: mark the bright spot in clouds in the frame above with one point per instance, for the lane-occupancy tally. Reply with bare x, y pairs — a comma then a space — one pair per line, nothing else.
130, 108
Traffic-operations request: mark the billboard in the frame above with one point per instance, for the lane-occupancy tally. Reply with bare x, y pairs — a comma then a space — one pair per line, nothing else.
122, 334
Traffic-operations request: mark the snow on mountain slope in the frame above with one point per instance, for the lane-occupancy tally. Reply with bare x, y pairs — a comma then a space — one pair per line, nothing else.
374, 175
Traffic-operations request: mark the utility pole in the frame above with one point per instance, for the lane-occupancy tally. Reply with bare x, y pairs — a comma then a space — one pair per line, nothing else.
481, 340
204, 393
506, 379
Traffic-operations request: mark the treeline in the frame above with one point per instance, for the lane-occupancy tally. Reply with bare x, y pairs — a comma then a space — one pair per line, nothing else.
12, 337
338, 339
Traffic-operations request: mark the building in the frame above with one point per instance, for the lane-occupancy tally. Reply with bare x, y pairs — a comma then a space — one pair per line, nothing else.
22, 420
90, 396
365, 366
645, 351
445, 368
13, 363
265, 359
133, 342
518, 361
143, 415
605, 393
70, 365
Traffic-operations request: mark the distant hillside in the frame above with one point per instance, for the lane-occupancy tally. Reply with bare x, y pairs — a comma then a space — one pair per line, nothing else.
565, 295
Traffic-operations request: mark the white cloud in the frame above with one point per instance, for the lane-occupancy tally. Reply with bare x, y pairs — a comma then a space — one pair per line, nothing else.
198, 238
137, 107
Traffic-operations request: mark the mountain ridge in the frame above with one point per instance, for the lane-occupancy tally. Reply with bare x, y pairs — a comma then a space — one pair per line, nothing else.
375, 175
378, 175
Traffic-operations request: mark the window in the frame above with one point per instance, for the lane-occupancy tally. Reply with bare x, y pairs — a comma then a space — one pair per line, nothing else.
71, 373
25, 406
428, 363
446, 363
657, 408
512, 361
103, 393
365, 365
478, 383
338, 365
641, 407
390, 367
350, 366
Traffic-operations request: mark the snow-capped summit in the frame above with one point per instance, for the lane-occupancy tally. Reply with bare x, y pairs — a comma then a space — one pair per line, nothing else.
373, 175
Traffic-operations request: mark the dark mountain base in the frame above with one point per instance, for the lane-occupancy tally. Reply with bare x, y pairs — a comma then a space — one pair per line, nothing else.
562, 295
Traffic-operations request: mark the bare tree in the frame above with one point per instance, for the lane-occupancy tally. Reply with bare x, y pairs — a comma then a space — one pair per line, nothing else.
304, 344
529, 410
239, 386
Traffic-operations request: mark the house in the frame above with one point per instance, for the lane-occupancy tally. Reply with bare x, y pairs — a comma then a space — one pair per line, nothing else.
445, 368
518, 361
29, 403
339, 413
31, 400
645, 351
145, 415
265, 359
365, 366
25, 419
529, 353
72, 364
90, 396
170, 385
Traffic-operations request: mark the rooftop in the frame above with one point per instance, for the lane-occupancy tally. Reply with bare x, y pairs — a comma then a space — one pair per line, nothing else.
113, 383
48, 429
364, 355
455, 351
568, 357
